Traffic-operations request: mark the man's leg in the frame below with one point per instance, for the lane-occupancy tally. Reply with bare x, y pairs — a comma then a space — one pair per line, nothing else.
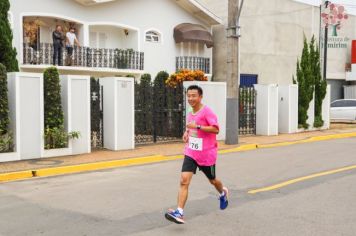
185, 179
188, 169
209, 172
55, 53
217, 184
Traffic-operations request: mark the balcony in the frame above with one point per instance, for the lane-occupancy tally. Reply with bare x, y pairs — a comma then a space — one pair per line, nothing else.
193, 63
87, 57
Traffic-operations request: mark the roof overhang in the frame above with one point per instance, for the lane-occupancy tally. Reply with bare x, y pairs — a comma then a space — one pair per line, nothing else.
187, 32
92, 2
199, 11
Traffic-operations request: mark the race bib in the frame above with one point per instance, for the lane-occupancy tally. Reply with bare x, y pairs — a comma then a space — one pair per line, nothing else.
196, 143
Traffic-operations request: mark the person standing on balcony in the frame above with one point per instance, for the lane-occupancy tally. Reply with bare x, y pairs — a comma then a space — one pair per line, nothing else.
58, 38
71, 40
200, 152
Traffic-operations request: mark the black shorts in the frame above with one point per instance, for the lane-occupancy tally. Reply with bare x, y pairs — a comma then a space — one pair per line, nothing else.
190, 165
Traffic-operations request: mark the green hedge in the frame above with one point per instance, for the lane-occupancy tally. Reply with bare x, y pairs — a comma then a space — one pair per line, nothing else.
7, 52
55, 136
6, 139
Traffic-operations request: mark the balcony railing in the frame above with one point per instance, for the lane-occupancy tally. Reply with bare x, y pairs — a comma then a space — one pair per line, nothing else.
193, 63
86, 57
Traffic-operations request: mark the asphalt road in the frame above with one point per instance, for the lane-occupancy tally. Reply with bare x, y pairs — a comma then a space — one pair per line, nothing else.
132, 200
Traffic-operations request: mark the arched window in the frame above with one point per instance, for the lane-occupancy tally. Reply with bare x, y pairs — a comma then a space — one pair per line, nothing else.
152, 36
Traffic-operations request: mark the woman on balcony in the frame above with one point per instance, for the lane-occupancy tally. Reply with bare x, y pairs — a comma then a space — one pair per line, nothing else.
58, 38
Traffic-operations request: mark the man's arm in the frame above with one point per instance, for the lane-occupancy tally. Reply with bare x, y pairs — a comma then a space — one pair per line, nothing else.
76, 42
208, 129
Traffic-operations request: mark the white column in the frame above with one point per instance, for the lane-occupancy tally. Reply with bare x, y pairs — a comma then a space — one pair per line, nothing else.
86, 35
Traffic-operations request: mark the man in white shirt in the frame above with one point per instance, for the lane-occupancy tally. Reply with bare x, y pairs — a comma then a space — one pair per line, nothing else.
71, 40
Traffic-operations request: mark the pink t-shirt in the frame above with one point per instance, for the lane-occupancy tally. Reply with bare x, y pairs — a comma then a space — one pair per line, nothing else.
203, 146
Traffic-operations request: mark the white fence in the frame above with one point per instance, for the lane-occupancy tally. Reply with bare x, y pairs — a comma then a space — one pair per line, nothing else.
266, 109
119, 113
27, 115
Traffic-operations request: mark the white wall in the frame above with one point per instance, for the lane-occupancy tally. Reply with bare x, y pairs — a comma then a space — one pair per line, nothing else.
326, 108
76, 104
310, 113
288, 109
28, 108
266, 109
118, 109
350, 92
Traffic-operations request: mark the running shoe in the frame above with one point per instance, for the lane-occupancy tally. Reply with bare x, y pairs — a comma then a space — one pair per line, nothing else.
224, 199
174, 216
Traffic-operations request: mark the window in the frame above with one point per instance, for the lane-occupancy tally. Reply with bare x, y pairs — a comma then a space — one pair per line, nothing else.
248, 80
152, 36
339, 103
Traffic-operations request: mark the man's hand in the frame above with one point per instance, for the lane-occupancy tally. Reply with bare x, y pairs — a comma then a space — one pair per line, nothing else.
185, 136
192, 126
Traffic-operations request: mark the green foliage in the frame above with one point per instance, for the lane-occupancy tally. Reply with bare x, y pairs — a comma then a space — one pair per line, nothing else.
305, 81
7, 52
53, 113
143, 105
6, 142
320, 87
310, 82
160, 90
4, 102
55, 136
6, 138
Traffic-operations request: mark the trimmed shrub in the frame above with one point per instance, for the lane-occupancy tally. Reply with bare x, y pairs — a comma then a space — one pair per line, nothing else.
7, 52
6, 139
55, 136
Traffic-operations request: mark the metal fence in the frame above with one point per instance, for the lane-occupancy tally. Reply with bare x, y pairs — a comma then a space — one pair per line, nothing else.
86, 57
247, 111
159, 113
193, 63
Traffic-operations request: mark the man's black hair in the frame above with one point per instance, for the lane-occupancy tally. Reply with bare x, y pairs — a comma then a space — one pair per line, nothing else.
196, 87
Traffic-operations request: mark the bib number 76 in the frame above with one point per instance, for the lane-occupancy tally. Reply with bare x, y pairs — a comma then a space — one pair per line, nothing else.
196, 143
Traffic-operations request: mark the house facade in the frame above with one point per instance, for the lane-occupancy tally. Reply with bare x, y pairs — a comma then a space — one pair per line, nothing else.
117, 37
272, 40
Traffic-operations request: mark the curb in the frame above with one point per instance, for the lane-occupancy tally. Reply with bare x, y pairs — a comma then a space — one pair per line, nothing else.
22, 175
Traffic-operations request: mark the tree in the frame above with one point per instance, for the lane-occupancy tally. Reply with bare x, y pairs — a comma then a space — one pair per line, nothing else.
4, 102
55, 137
305, 81
7, 52
319, 83
6, 138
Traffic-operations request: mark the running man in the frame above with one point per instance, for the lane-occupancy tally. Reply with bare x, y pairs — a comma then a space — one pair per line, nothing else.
200, 152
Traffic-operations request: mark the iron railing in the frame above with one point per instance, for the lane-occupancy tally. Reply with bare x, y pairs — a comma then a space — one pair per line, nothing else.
193, 63
247, 110
86, 57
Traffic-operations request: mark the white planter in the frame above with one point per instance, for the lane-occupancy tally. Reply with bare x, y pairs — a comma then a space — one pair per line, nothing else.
9, 156
214, 96
56, 152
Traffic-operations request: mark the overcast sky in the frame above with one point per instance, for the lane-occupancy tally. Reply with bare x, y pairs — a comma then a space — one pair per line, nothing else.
350, 5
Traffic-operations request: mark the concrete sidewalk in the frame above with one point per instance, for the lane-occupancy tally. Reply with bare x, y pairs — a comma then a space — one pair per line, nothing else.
166, 150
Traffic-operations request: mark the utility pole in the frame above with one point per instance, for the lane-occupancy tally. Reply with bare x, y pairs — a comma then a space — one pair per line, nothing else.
325, 45
232, 101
